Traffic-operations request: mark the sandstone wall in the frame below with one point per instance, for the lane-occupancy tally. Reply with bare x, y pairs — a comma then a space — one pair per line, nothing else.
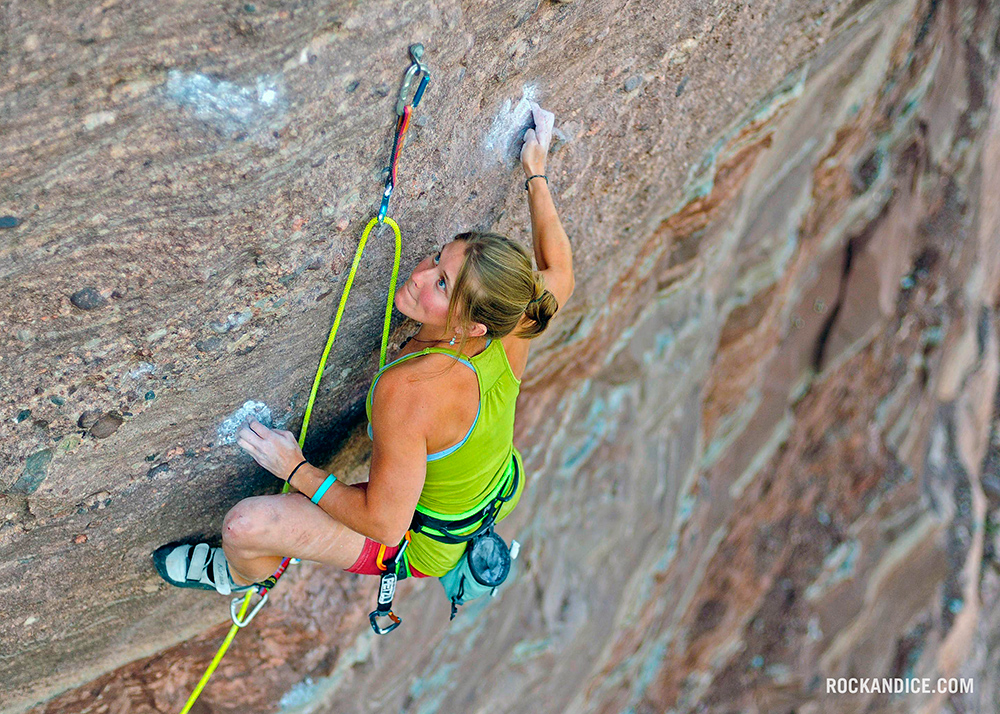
761, 440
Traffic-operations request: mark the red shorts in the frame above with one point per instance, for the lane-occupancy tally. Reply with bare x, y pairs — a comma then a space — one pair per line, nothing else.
367, 562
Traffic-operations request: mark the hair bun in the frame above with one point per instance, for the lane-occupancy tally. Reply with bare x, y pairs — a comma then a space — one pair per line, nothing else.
540, 308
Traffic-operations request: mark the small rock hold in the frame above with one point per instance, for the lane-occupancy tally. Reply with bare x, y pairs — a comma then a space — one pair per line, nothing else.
23, 414
381, 90
80, 539
96, 119
36, 468
58, 401
209, 345
632, 83
87, 299
88, 418
158, 472
106, 426
24, 335
9, 222
150, 395
680, 87
352, 86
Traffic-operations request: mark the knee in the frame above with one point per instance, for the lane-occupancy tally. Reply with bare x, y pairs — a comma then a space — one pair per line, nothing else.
246, 523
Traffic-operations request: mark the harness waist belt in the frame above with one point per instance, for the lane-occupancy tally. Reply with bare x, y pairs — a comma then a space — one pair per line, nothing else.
446, 527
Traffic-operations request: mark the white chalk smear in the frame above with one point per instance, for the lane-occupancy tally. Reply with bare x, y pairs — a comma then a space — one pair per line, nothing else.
231, 425
503, 140
220, 102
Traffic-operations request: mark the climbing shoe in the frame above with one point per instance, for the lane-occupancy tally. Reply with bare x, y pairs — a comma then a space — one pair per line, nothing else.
196, 566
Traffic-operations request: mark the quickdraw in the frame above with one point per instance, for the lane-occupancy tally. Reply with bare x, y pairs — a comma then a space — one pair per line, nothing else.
238, 610
404, 109
387, 588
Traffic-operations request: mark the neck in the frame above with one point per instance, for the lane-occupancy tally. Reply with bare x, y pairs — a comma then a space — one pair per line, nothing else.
431, 336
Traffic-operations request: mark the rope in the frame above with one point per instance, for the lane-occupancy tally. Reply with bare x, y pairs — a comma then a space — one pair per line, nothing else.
271, 581
404, 111
218, 657
340, 312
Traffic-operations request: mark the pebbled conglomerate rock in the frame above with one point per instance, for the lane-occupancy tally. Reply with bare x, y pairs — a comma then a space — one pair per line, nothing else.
761, 442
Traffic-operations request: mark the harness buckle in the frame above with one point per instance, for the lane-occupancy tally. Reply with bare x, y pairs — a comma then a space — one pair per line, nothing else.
234, 609
416, 68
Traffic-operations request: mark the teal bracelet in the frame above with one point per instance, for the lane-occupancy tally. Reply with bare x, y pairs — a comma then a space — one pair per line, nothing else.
323, 489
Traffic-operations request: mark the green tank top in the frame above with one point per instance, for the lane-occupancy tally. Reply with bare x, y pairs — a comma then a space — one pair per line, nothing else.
462, 476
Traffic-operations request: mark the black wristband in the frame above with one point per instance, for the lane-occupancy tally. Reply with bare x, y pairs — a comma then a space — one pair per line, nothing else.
289, 479
535, 176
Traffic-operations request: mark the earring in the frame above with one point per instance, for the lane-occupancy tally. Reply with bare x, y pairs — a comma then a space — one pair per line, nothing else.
452, 341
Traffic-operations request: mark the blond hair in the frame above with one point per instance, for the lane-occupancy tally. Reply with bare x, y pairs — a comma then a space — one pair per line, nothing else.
496, 286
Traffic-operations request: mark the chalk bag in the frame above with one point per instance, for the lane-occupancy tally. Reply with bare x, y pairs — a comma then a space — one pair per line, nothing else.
483, 568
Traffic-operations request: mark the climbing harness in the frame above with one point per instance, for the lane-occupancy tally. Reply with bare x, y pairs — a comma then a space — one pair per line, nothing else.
485, 564
446, 528
240, 605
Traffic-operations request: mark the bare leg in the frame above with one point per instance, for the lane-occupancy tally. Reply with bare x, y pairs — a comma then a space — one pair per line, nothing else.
259, 531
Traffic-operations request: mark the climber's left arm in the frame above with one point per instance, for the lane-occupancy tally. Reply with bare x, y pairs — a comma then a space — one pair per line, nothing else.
376, 513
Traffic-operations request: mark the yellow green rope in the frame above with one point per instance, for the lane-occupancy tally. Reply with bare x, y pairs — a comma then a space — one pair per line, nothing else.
340, 311
312, 398
218, 656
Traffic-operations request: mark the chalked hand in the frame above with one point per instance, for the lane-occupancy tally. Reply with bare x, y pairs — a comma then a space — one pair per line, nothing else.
537, 140
276, 450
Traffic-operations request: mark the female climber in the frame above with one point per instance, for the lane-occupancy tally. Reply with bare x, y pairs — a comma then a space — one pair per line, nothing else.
442, 431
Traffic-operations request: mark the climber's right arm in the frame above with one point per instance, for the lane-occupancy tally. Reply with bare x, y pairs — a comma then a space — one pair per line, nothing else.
553, 253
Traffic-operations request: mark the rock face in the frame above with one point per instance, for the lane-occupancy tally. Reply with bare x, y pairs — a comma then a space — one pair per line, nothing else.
762, 440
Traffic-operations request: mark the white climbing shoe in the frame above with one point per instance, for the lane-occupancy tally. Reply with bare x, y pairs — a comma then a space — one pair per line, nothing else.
196, 566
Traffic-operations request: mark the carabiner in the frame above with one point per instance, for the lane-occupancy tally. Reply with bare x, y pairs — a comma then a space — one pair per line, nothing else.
415, 69
383, 208
234, 608
379, 630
